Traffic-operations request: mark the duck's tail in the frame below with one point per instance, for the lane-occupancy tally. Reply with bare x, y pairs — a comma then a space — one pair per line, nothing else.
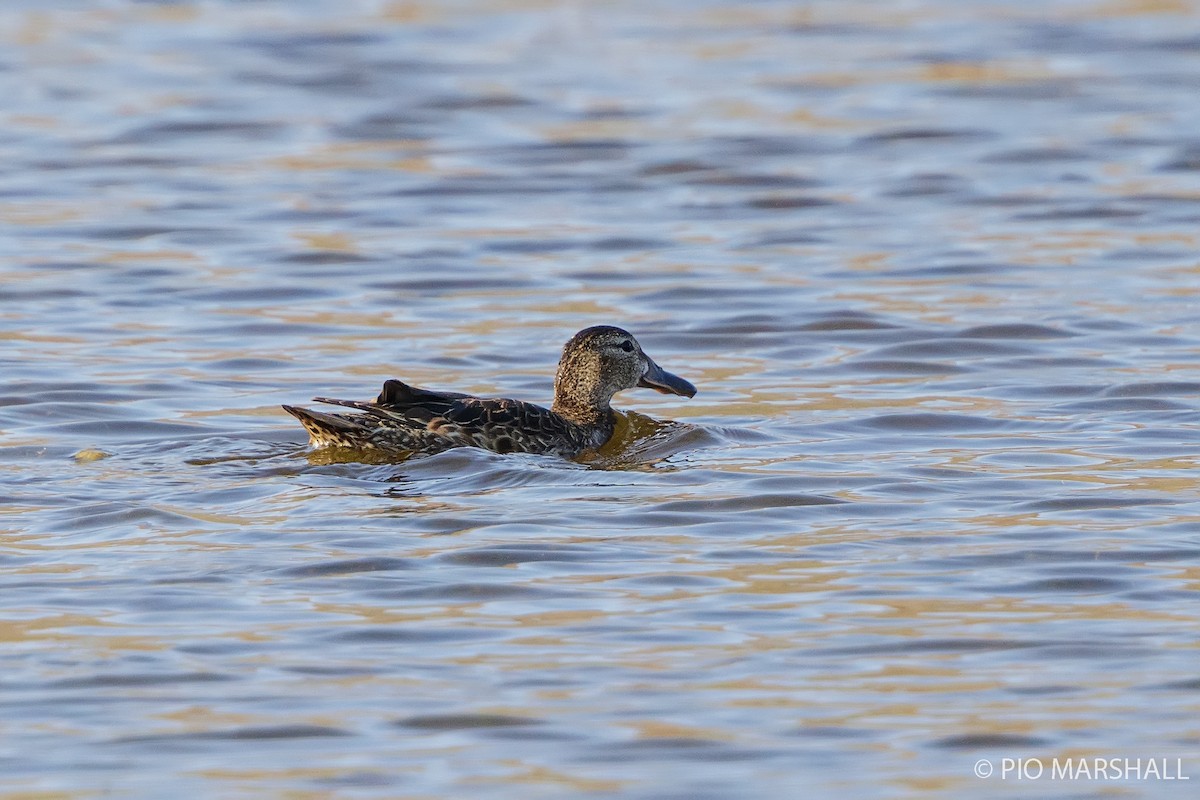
331, 430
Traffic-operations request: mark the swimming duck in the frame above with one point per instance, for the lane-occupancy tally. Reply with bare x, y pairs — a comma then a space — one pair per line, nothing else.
596, 363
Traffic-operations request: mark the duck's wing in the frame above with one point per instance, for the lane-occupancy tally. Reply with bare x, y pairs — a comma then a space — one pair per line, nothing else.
425, 419
413, 401
399, 401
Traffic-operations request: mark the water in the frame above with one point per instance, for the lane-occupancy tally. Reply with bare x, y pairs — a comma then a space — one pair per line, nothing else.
933, 267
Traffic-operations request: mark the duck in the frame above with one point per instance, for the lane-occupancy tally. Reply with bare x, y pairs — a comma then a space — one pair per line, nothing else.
596, 363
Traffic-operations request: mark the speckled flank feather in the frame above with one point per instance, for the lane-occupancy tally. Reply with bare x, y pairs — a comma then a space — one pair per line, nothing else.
596, 364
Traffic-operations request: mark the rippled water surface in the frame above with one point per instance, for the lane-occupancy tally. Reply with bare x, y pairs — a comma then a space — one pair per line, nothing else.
934, 267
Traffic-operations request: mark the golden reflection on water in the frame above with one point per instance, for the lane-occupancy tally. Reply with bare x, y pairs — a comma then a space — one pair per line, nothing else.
1137, 8
39, 214
388, 154
540, 776
64, 629
122, 257
985, 72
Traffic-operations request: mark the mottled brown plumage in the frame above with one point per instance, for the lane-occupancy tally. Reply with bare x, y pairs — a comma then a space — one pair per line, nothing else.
596, 363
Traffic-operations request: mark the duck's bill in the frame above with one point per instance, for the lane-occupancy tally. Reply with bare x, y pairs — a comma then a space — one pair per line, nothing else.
660, 380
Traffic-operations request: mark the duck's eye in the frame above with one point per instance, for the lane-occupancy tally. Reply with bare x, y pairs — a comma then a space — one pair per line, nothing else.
627, 346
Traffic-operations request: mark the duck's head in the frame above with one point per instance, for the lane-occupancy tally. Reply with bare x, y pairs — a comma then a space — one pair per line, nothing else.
600, 361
